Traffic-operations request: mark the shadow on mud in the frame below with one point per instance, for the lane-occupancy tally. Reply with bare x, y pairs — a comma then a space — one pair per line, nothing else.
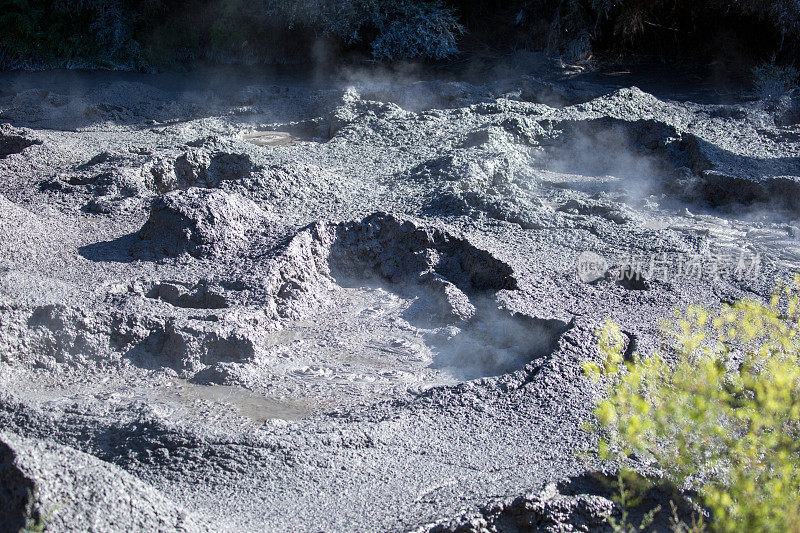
15, 492
114, 251
14, 144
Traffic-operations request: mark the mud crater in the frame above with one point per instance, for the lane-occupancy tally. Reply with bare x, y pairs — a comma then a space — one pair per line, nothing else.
352, 313
338, 315
384, 306
198, 295
450, 292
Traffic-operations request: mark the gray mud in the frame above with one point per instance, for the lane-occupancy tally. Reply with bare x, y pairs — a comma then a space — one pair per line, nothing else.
287, 306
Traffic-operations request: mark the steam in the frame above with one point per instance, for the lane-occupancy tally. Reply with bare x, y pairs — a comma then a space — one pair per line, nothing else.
487, 340
608, 160
494, 343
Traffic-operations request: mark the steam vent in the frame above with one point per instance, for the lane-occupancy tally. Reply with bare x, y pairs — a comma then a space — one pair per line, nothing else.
417, 266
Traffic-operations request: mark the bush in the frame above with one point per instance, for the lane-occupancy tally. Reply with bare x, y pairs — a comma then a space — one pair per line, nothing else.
138, 33
720, 414
135, 32
65, 31
665, 28
772, 82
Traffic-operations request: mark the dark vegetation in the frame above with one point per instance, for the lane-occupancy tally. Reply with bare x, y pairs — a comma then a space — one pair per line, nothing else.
146, 34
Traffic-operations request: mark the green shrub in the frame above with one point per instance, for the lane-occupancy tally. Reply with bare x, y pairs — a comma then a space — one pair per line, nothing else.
719, 413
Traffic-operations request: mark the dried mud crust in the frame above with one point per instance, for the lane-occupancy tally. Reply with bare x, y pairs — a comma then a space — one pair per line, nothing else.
170, 305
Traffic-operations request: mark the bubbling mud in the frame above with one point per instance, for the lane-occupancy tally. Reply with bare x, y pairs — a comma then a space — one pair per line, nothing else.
270, 138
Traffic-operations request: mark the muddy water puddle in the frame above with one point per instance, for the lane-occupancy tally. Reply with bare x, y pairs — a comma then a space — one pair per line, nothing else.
373, 335
248, 404
270, 138
362, 338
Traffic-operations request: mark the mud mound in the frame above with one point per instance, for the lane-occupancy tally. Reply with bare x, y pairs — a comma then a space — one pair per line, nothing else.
524, 130
202, 222
400, 250
14, 144
16, 492
200, 168
147, 337
477, 169
580, 503
74, 490
119, 175
296, 186
494, 178
555, 509
67, 335
628, 104
189, 346
509, 107
357, 118
197, 168
193, 296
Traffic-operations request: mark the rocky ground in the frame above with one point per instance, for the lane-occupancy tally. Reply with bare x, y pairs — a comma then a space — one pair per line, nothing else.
283, 305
